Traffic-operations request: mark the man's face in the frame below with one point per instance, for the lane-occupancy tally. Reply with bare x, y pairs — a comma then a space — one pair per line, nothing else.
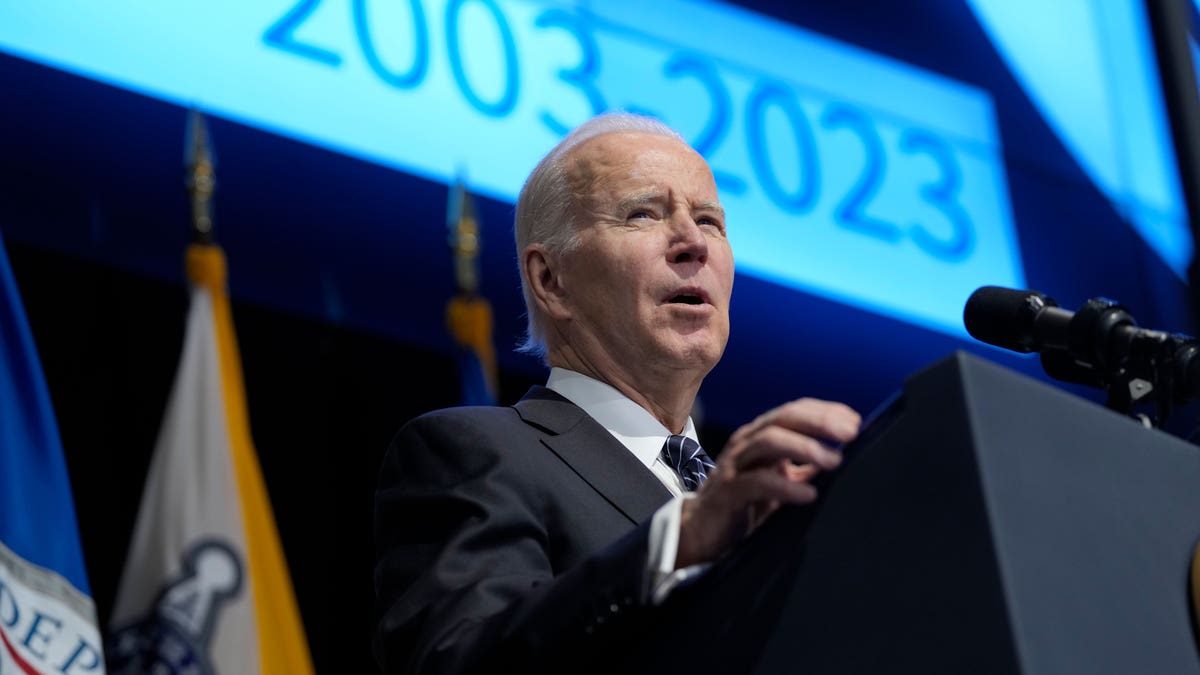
648, 287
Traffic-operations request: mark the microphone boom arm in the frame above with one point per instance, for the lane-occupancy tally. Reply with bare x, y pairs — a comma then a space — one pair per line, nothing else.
1099, 346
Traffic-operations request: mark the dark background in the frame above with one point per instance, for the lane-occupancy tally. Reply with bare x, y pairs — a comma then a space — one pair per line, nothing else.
342, 338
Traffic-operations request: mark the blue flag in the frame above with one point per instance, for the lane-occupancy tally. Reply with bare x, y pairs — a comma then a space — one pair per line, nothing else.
47, 618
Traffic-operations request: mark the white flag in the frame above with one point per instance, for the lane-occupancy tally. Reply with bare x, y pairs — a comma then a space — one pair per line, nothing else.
205, 586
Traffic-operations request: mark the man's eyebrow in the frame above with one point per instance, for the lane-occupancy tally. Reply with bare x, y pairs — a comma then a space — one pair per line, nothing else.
640, 199
655, 198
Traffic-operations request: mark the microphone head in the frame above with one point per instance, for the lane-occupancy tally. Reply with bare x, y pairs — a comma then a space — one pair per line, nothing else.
1004, 317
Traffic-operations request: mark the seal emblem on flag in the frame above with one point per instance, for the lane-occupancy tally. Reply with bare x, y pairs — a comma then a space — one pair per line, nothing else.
175, 636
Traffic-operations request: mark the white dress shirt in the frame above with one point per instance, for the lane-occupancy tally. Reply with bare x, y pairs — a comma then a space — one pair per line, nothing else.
644, 436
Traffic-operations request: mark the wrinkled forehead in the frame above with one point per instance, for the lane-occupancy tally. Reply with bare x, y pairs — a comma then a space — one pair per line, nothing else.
618, 161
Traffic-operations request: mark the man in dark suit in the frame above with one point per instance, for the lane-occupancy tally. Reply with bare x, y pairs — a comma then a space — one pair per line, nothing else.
542, 536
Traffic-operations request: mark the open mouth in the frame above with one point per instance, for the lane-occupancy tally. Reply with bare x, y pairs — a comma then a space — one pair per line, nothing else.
686, 299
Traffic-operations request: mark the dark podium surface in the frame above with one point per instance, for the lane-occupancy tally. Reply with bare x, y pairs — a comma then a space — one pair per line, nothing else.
986, 523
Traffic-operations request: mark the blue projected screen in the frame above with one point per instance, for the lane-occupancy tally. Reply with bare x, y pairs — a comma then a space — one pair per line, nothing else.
1089, 69
844, 173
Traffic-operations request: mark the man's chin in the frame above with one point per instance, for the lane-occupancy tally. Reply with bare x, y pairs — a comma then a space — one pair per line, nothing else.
699, 354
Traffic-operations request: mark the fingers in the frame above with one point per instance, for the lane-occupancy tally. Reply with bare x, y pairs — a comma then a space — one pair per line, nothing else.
770, 486
727, 508
802, 473
793, 432
812, 417
748, 487
772, 444
769, 462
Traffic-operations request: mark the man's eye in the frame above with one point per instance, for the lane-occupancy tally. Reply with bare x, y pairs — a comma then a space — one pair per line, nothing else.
641, 213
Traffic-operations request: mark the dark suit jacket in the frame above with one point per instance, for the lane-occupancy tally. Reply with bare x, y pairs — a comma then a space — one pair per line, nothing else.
510, 538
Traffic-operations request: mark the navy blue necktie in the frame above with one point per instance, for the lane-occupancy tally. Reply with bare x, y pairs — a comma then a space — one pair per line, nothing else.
688, 459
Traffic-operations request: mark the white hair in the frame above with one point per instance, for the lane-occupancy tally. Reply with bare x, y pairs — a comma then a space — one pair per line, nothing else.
544, 214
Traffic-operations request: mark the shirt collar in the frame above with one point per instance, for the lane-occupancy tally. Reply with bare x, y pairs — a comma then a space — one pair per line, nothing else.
628, 422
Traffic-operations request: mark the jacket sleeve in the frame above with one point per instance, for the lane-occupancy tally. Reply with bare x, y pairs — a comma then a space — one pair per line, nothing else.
464, 580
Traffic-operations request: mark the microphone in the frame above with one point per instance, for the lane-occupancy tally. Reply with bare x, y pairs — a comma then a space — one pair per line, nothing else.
1098, 336
1023, 321
1100, 345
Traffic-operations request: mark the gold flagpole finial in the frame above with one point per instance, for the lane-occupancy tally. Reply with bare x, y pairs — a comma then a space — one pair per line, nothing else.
468, 314
463, 238
201, 178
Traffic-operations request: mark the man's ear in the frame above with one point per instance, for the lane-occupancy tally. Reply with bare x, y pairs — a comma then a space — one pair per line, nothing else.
542, 277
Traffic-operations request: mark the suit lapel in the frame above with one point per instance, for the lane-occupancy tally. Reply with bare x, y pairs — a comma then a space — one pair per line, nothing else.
592, 452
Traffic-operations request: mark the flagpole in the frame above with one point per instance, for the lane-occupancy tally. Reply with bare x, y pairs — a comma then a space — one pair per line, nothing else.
468, 313
464, 241
201, 177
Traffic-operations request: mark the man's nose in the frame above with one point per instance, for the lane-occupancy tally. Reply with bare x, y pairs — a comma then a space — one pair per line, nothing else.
688, 242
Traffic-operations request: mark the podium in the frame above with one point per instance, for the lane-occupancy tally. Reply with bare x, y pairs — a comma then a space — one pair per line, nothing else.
985, 523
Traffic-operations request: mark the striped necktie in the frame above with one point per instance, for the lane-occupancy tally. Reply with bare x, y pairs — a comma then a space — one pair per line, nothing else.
688, 459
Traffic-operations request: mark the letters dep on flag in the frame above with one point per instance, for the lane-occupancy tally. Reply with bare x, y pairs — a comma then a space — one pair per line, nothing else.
46, 624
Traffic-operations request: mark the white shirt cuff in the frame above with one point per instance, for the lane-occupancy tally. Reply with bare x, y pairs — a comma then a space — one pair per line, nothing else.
661, 575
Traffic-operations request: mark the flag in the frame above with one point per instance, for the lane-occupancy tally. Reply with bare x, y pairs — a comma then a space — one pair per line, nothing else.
468, 314
47, 618
205, 587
